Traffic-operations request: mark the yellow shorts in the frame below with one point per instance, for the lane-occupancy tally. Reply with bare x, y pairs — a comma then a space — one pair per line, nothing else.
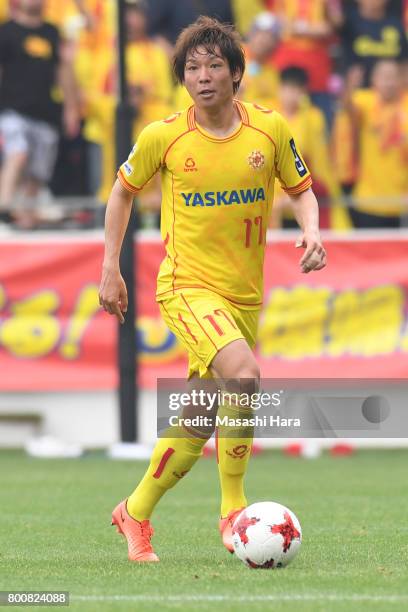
204, 322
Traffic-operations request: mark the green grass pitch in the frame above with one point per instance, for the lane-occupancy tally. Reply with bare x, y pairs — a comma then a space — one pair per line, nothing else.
56, 534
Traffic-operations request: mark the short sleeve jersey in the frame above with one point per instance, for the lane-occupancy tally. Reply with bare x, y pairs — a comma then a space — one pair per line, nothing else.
217, 195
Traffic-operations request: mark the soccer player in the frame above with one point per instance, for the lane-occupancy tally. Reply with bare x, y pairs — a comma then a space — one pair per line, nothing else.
218, 161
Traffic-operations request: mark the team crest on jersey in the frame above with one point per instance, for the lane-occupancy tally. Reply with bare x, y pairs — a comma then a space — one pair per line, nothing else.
256, 160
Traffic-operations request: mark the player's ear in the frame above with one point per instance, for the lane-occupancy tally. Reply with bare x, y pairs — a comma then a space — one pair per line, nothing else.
237, 75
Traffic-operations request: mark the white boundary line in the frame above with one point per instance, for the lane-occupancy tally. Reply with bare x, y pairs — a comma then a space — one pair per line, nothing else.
244, 598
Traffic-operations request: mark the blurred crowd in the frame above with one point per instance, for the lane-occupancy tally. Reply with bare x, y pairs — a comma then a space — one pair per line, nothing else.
336, 69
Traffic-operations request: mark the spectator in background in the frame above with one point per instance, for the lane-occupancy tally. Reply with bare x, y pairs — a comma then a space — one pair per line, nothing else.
167, 19
150, 92
33, 64
369, 32
148, 70
306, 35
98, 93
245, 12
380, 119
56, 12
307, 123
260, 80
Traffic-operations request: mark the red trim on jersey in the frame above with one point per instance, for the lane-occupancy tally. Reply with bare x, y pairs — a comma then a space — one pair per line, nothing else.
172, 118
173, 142
263, 109
243, 112
191, 118
212, 138
125, 184
130, 187
173, 233
187, 328
188, 306
302, 186
166, 456
214, 323
182, 334
265, 134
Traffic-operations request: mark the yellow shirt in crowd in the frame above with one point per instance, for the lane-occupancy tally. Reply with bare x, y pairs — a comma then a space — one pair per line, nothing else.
309, 129
148, 68
309, 11
383, 153
260, 82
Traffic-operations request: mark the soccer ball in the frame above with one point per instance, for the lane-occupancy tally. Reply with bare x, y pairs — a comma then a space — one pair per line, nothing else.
266, 535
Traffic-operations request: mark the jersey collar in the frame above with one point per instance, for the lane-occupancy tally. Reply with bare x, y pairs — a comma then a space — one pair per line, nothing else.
192, 125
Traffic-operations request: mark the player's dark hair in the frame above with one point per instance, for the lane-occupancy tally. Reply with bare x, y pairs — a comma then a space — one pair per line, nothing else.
293, 75
210, 33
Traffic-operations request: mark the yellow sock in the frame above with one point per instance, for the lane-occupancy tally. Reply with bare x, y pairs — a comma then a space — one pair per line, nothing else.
232, 456
172, 458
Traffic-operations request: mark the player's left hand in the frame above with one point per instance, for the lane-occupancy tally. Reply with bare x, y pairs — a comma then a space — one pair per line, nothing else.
314, 257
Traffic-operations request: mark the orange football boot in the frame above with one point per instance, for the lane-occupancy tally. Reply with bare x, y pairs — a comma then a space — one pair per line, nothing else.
225, 527
137, 533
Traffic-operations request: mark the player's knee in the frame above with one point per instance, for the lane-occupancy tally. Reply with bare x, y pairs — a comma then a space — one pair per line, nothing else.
246, 379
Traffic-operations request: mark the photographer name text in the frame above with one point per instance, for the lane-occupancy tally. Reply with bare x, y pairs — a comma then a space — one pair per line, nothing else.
225, 421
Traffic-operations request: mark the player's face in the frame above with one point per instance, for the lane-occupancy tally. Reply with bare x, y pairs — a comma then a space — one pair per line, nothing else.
32, 7
208, 78
386, 80
135, 24
372, 5
262, 43
291, 96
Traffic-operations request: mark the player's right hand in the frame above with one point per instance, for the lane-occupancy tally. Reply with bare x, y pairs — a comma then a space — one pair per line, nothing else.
113, 295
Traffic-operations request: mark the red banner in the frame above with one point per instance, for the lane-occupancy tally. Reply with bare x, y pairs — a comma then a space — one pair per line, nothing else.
349, 320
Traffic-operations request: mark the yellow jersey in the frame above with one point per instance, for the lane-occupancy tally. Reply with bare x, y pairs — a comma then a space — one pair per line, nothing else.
217, 195
382, 182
